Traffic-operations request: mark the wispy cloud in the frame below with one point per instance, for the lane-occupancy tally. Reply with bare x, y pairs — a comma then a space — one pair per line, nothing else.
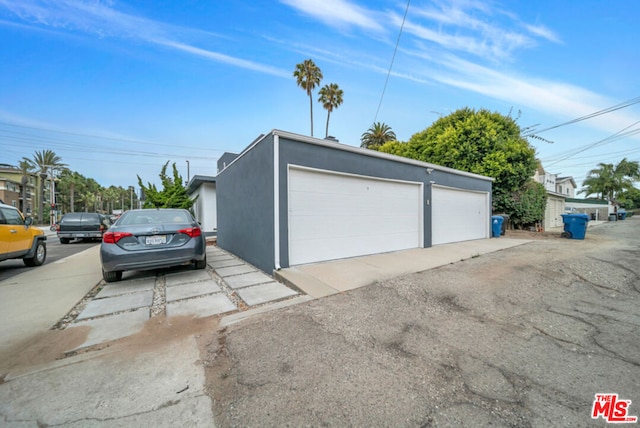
98, 18
475, 28
551, 97
249, 65
542, 31
337, 13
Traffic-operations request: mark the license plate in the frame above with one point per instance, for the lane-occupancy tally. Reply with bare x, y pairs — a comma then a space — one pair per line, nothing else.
156, 240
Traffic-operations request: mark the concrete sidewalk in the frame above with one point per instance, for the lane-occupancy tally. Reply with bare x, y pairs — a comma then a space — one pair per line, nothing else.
327, 278
34, 301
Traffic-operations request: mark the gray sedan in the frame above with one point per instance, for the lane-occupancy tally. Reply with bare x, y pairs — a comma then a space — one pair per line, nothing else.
150, 239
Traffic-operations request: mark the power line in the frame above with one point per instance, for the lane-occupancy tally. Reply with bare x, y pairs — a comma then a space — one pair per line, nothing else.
29, 140
404, 18
600, 156
617, 136
622, 105
124, 140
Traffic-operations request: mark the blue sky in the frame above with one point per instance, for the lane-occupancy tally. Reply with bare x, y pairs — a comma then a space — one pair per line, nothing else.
118, 88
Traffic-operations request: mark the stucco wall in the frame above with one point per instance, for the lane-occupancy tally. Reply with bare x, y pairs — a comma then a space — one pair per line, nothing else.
245, 206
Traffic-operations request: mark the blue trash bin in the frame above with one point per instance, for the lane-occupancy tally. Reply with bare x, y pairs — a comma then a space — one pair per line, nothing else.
622, 215
496, 225
575, 225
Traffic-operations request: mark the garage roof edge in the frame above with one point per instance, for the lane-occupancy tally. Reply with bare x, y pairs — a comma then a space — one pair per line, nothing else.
375, 154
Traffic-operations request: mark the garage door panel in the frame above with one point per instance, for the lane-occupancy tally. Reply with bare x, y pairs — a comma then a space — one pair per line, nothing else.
347, 225
351, 205
357, 203
459, 215
334, 216
332, 248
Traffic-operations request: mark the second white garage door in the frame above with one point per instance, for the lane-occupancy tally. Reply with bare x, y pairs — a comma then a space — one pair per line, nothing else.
334, 216
458, 215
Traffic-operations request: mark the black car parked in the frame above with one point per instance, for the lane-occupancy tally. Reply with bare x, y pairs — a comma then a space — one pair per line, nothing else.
82, 226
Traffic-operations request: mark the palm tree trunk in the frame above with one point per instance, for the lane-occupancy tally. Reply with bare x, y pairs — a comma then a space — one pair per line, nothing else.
326, 132
71, 196
311, 110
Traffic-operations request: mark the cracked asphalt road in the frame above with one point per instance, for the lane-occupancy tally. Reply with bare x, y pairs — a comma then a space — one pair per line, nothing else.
522, 337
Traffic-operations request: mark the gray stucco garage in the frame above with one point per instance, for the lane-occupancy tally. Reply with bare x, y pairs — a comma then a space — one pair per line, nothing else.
289, 199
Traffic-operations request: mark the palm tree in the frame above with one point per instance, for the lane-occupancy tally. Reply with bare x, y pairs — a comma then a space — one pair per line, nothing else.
308, 76
331, 98
378, 134
45, 160
73, 182
607, 181
26, 167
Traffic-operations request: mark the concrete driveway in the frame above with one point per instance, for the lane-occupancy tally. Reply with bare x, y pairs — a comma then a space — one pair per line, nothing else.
522, 337
75, 351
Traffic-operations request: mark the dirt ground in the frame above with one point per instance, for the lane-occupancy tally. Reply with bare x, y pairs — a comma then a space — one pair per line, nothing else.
522, 337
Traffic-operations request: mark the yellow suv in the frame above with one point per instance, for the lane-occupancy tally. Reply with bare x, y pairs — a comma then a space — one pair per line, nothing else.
19, 239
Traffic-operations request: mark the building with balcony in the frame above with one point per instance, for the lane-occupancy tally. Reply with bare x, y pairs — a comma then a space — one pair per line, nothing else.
11, 190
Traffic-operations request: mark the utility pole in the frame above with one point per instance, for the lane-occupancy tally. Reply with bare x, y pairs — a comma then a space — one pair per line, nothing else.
52, 194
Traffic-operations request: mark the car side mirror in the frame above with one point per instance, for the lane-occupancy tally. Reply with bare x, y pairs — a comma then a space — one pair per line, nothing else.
28, 221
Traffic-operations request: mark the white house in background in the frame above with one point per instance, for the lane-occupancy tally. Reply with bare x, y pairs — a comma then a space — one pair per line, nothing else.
558, 190
204, 188
566, 186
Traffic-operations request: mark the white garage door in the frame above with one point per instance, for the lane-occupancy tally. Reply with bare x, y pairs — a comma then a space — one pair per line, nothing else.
554, 208
458, 215
334, 216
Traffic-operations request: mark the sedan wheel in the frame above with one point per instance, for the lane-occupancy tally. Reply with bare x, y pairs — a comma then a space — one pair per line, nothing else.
112, 276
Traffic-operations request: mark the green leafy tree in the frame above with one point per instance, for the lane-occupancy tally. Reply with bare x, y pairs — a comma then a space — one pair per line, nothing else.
308, 75
173, 194
331, 98
607, 181
378, 134
111, 196
91, 195
71, 183
480, 142
629, 198
525, 206
77, 182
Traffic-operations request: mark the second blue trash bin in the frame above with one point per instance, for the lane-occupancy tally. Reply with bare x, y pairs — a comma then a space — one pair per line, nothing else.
496, 225
575, 225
